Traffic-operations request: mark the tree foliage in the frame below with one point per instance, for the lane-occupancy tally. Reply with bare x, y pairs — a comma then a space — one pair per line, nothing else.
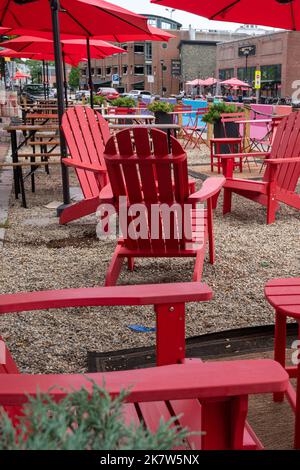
74, 78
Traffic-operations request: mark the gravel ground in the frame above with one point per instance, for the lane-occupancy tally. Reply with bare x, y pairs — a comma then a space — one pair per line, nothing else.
40, 254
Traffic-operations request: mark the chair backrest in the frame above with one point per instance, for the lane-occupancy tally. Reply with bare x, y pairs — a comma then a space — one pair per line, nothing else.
286, 144
142, 167
183, 107
232, 117
86, 133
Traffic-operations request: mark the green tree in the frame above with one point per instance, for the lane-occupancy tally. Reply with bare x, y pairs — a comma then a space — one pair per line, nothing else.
36, 70
74, 78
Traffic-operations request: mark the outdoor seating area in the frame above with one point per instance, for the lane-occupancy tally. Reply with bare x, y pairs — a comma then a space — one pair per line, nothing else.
150, 285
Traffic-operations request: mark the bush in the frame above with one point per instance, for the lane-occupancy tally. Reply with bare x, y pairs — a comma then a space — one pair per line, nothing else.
123, 102
98, 100
83, 421
160, 107
216, 109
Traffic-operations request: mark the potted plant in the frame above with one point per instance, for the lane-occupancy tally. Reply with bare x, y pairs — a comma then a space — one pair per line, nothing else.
83, 421
123, 102
161, 110
229, 129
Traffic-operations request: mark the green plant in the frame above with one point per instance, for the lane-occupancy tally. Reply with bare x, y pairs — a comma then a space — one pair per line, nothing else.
123, 102
83, 421
215, 110
158, 106
74, 78
98, 100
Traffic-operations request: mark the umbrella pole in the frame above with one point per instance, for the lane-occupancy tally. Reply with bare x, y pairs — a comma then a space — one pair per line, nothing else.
65, 77
60, 102
90, 71
47, 79
44, 80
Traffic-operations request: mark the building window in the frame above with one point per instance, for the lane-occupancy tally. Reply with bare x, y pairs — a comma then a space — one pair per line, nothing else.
108, 70
115, 70
225, 74
99, 71
152, 22
138, 70
248, 75
83, 72
165, 25
124, 46
125, 69
148, 69
139, 48
92, 71
271, 73
148, 51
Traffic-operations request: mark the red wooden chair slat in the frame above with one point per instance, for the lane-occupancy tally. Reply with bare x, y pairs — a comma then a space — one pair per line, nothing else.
212, 396
86, 133
280, 179
141, 168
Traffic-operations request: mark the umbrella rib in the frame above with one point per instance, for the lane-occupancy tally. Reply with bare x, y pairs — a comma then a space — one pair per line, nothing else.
224, 10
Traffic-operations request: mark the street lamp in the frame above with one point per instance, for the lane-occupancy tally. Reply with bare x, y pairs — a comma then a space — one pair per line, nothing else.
171, 11
246, 54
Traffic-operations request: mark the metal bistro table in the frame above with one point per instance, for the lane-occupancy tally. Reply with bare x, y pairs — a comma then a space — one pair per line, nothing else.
29, 132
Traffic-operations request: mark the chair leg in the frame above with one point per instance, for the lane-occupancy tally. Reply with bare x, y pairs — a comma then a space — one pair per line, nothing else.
130, 264
280, 347
227, 201
198, 268
114, 268
271, 209
215, 200
297, 413
210, 229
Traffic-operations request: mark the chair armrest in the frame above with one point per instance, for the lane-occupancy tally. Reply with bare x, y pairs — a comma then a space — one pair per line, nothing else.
148, 294
226, 140
83, 166
173, 382
278, 161
224, 156
210, 187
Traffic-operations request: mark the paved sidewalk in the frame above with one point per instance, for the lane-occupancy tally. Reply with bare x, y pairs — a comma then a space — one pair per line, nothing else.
5, 190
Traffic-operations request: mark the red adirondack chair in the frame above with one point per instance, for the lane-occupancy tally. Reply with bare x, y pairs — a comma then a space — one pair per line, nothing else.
86, 133
211, 398
143, 171
281, 175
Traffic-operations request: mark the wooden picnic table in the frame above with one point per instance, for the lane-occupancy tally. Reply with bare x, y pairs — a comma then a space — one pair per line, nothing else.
29, 132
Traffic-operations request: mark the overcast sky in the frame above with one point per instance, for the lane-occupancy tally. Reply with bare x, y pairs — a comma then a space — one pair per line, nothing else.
144, 6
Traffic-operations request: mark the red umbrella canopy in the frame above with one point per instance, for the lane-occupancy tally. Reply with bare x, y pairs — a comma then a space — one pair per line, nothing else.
196, 82
155, 34
31, 44
277, 13
77, 17
69, 59
210, 81
19, 75
235, 82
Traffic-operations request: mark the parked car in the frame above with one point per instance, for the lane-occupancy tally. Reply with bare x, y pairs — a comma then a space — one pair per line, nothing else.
81, 93
32, 92
108, 93
142, 94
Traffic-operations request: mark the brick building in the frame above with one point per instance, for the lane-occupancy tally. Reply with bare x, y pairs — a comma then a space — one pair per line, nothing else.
277, 55
161, 67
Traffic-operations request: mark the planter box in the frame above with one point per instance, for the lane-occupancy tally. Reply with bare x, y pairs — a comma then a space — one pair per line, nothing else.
163, 118
232, 130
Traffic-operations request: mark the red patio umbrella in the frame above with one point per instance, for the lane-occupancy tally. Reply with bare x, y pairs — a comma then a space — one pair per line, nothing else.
235, 82
19, 75
98, 49
69, 59
277, 13
210, 81
196, 82
84, 18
